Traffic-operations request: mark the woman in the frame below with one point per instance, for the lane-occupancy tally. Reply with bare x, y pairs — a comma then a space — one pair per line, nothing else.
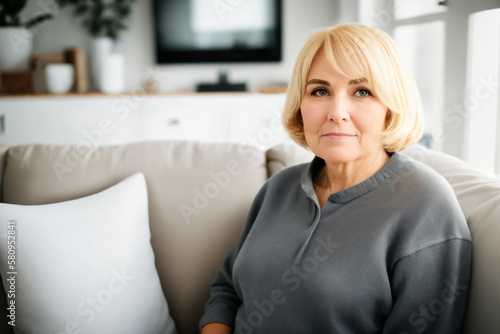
362, 239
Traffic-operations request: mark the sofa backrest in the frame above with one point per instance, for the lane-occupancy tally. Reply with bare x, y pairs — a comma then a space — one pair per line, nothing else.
216, 181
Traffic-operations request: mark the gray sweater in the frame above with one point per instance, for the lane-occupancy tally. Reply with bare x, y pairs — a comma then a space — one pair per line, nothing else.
389, 255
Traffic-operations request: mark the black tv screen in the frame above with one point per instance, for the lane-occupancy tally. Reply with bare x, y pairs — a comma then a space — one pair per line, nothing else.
213, 31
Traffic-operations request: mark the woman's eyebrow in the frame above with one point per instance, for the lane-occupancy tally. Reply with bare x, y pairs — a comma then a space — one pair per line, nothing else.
357, 81
326, 83
318, 81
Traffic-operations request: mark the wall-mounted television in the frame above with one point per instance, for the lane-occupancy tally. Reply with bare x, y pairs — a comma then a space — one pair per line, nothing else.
215, 31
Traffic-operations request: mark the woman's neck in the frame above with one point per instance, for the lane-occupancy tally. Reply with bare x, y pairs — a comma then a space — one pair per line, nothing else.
334, 177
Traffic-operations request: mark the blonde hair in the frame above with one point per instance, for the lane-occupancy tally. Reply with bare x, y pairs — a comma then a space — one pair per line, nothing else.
358, 51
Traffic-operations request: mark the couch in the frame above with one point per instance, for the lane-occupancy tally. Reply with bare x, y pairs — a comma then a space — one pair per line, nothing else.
198, 195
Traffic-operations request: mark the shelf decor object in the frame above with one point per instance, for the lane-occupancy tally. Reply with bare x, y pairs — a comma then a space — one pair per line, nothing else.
104, 21
59, 78
38, 64
16, 82
15, 37
77, 58
101, 50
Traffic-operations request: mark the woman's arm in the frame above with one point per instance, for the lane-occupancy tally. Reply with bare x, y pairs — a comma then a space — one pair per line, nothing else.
216, 328
223, 303
430, 289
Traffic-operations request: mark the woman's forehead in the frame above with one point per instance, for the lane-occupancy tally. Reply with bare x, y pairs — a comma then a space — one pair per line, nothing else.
328, 60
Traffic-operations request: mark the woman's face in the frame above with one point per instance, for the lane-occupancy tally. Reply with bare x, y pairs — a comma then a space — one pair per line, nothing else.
343, 121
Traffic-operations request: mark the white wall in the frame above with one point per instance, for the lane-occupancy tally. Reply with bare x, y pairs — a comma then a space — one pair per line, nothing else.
299, 19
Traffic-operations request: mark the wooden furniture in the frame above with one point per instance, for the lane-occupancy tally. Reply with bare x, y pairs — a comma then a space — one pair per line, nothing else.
99, 119
18, 82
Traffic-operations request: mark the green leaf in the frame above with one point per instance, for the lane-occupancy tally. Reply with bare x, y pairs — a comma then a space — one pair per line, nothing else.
102, 17
37, 20
12, 7
81, 9
9, 12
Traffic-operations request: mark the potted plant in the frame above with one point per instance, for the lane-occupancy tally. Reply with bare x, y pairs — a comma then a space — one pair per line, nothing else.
15, 37
104, 20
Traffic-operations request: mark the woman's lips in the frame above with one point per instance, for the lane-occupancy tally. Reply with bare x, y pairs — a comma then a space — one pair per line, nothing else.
338, 135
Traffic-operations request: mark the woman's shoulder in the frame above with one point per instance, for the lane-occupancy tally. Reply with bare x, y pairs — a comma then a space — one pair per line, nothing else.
416, 177
423, 193
427, 206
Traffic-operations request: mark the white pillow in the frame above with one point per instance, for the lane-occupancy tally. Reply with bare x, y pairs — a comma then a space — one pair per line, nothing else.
84, 266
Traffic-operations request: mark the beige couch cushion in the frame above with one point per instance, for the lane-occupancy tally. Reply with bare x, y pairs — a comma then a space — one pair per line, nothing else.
285, 155
479, 197
213, 184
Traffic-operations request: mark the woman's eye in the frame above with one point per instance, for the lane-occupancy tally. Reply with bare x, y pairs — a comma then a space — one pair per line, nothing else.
320, 92
363, 92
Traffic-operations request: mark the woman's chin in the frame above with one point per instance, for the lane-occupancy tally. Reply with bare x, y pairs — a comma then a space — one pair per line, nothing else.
337, 154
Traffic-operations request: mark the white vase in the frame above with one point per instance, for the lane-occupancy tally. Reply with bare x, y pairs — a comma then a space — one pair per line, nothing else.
101, 49
107, 67
16, 46
113, 74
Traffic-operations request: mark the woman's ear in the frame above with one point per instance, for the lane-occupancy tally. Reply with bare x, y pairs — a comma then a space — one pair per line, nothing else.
299, 118
388, 117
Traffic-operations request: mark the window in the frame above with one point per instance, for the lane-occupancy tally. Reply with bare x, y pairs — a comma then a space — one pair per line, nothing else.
482, 98
422, 46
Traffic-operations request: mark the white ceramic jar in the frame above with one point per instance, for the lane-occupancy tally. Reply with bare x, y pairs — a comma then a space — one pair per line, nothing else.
59, 78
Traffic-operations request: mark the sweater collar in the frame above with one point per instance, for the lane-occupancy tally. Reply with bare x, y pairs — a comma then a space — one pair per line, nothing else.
387, 171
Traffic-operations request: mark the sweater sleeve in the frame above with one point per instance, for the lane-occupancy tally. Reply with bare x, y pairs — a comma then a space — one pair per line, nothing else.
224, 302
430, 289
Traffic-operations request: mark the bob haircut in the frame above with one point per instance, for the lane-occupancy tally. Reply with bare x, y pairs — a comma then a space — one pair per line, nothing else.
357, 51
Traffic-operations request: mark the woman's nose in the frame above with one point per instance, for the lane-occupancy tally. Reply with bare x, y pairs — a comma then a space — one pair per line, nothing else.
339, 109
